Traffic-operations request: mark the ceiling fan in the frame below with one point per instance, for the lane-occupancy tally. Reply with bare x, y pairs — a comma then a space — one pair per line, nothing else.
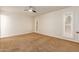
30, 9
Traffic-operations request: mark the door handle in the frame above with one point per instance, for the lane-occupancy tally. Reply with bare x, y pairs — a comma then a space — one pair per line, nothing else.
77, 32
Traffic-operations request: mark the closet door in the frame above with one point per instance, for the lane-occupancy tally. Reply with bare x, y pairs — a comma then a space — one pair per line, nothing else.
68, 25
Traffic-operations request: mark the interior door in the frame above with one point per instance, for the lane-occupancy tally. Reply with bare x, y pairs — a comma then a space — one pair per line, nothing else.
76, 20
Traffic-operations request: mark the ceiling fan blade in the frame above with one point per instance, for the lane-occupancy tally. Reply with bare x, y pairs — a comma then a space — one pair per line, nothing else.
25, 10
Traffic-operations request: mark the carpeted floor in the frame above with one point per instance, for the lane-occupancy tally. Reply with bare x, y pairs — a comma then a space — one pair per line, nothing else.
34, 42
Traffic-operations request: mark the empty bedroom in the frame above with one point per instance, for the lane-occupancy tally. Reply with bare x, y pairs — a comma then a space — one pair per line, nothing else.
39, 29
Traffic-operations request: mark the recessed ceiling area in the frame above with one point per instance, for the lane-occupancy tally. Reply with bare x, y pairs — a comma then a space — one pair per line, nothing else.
40, 9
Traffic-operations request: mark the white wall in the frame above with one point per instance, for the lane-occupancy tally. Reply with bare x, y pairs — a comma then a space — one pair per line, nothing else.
52, 23
49, 23
0, 24
15, 24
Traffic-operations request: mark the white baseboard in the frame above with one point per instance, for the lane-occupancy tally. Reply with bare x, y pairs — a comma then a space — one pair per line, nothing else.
5, 36
65, 38
62, 37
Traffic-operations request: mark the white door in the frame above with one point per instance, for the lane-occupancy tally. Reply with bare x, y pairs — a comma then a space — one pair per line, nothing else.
76, 26
76, 29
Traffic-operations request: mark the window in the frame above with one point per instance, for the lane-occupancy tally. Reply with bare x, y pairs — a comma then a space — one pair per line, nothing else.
68, 25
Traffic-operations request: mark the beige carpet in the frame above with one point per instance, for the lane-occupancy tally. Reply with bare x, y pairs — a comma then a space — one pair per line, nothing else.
34, 42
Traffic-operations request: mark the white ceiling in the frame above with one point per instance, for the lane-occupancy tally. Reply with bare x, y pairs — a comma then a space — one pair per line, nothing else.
40, 9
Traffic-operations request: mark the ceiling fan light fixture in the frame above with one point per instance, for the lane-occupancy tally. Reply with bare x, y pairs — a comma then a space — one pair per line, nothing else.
30, 10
